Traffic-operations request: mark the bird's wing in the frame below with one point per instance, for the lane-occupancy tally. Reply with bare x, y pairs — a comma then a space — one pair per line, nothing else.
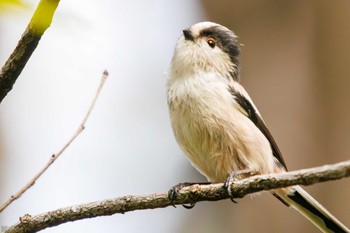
254, 116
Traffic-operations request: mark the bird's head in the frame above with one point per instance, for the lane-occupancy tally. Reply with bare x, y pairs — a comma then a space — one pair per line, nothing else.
206, 47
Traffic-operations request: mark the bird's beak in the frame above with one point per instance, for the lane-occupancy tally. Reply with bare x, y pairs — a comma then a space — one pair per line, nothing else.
188, 34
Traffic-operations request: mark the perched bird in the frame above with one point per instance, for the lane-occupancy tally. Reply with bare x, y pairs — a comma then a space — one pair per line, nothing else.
216, 123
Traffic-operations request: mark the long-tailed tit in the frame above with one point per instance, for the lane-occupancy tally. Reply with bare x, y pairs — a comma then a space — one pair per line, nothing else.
216, 123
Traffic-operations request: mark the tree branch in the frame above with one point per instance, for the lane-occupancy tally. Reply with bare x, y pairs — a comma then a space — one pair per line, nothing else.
58, 153
14, 65
186, 195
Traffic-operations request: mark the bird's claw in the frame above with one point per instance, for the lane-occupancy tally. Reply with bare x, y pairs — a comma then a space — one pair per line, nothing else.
173, 193
231, 178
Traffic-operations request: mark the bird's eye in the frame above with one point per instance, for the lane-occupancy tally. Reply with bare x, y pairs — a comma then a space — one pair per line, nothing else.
211, 42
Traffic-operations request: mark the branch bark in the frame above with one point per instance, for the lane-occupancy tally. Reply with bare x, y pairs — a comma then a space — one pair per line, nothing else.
186, 195
14, 65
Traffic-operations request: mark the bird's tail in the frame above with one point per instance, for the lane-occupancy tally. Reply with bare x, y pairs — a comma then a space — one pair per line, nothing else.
300, 200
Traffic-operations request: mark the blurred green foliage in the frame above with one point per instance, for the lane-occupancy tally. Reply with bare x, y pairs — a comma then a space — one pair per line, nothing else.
6, 5
43, 15
41, 18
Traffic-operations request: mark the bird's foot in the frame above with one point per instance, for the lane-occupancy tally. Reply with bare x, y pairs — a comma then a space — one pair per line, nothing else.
234, 176
173, 193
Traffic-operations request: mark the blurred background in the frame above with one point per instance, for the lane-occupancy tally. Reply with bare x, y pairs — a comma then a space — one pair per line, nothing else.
295, 65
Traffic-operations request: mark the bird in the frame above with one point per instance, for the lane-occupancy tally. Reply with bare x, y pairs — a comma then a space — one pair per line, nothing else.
216, 123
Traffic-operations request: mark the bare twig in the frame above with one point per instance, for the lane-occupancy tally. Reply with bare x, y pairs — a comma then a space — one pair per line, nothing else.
14, 65
186, 195
58, 153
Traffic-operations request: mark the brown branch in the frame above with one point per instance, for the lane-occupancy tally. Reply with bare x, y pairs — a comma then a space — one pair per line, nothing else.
14, 65
58, 153
186, 195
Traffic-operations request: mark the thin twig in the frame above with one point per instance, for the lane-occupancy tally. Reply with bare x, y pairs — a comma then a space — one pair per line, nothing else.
58, 153
186, 195
14, 65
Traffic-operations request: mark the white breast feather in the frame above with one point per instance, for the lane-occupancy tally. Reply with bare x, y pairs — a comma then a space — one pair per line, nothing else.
217, 137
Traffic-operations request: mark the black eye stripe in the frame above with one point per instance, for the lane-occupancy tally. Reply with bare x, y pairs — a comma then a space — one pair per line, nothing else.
226, 41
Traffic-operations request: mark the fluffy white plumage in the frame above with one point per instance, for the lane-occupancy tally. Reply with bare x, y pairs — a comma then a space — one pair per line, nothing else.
209, 125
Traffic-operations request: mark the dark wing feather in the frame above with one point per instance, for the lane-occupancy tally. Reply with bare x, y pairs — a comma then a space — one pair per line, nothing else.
258, 121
